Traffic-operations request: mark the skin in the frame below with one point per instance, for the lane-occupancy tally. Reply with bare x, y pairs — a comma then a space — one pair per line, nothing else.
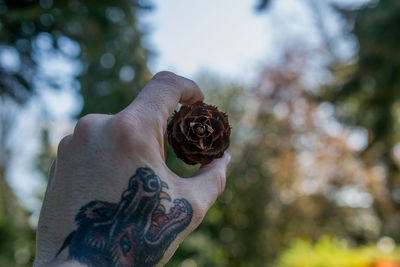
99, 161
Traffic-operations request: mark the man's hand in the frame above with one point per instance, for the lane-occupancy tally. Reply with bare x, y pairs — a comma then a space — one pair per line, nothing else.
111, 200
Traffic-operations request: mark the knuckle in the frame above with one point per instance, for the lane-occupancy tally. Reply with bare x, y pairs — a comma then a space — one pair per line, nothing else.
85, 126
192, 84
126, 131
166, 76
168, 79
63, 145
123, 126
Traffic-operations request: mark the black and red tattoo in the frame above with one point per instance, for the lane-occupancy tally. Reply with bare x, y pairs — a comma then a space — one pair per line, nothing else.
134, 232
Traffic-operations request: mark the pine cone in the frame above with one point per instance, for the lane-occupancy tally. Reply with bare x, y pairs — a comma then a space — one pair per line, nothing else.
199, 133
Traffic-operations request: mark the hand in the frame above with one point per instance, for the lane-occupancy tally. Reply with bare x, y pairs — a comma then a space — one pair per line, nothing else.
111, 200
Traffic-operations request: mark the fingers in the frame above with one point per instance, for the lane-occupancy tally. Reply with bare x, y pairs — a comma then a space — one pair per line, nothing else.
209, 182
161, 95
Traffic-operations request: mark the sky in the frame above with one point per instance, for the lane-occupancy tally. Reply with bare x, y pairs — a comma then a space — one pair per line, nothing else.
226, 37
230, 39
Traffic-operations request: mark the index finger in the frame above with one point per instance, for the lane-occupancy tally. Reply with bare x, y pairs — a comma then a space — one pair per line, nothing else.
159, 98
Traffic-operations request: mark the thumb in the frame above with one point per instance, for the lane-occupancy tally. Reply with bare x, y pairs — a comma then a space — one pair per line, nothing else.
209, 181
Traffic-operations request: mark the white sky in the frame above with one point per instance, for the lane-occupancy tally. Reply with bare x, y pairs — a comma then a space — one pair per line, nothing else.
226, 36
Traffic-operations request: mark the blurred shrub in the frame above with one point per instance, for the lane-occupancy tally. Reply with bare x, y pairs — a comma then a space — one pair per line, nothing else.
331, 252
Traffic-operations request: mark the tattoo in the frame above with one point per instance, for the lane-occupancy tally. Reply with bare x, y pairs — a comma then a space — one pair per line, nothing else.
134, 232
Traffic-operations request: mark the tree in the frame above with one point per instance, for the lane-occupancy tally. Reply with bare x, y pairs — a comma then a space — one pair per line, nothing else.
100, 41
366, 93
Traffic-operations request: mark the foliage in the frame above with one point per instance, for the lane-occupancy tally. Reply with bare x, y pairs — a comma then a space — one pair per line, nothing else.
366, 93
16, 237
105, 38
330, 252
263, 4
295, 171
100, 44
230, 233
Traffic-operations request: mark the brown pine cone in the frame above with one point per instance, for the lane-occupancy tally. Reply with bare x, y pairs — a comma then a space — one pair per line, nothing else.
199, 133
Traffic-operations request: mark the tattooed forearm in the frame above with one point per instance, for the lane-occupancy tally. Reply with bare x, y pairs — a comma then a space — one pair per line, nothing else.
136, 231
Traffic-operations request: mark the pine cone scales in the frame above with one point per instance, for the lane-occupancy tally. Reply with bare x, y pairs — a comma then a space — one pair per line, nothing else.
199, 133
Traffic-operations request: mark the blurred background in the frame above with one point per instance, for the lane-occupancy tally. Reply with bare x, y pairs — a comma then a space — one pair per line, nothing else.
312, 89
